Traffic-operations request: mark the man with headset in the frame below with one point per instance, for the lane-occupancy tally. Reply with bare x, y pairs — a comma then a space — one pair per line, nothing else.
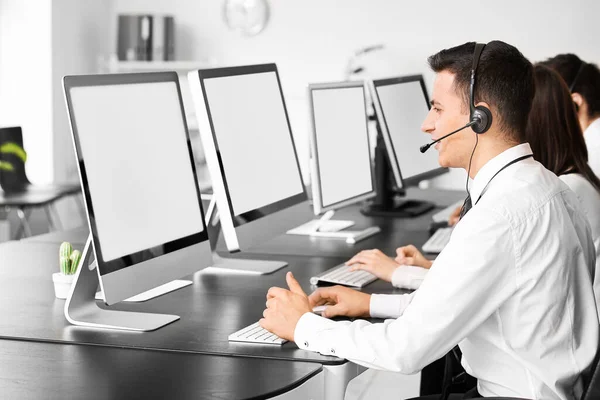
583, 80
512, 287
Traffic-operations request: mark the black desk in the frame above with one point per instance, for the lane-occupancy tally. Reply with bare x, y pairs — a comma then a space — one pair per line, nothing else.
213, 307
31, 370
210, 309
76, 237
395, 232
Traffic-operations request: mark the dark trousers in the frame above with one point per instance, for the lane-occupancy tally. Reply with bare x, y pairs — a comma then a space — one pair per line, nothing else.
432, 376
471, 394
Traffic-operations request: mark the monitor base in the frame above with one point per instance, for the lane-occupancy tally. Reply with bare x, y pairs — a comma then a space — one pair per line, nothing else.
243, 266
154, 292
332, 225
81, 308
403, 209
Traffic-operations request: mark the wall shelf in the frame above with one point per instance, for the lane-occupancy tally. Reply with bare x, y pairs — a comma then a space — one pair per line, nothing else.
112, 65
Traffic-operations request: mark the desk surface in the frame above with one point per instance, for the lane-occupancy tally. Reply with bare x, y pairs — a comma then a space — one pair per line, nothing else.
212, 308
31, 370
395, 232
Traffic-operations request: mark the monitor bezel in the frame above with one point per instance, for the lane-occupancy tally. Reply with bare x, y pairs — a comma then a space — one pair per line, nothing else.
318, 205
252, 215
107, 267
399, 179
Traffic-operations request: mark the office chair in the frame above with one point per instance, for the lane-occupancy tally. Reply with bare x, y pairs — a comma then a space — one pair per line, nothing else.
19, 193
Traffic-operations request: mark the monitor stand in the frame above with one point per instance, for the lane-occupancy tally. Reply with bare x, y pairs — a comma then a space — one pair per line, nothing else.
388, 202
227, 265
81, 308
152, 293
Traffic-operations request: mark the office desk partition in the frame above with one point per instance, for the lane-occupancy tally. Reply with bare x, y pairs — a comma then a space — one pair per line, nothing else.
33, 370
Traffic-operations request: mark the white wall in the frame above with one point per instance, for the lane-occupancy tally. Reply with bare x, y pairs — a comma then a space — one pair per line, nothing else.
40, 42
25, 79
80, 32
311, 39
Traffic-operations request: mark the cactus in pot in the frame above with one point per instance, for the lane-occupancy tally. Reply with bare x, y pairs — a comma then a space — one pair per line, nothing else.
69, 260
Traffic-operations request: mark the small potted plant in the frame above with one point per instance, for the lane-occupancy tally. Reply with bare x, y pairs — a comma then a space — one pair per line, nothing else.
69, 261
12, 167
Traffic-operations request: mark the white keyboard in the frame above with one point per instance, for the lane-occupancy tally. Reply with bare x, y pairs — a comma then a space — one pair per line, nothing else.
342, 275
444, 215
255, 334
437, 241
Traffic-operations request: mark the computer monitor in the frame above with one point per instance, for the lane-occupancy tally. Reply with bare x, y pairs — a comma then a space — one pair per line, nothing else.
250, 153
401, 105
341, 171
139, 182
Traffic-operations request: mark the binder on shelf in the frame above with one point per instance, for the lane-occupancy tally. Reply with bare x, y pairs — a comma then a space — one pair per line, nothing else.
134, 38
163, 43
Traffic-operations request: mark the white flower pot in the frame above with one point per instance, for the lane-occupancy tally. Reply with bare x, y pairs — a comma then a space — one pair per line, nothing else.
62, 284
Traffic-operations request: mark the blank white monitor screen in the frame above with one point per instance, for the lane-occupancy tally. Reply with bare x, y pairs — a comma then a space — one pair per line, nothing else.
405, 107
134, 146
343, 152
254, 140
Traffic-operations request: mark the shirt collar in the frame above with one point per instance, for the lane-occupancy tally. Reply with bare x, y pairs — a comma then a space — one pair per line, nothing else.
493, 166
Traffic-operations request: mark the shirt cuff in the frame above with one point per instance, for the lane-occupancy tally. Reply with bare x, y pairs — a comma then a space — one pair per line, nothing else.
408, 277
389, 305
307, 332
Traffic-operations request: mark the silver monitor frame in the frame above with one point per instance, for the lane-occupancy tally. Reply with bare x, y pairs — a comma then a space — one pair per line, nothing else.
400, 181
186, 255
314, 167
274, 219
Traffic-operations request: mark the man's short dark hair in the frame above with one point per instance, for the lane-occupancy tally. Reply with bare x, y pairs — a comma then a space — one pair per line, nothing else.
587, 84
504, 80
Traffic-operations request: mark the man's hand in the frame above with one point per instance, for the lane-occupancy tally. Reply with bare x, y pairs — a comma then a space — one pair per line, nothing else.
341, 301
284, 309
454, 217
409, 255
375, 262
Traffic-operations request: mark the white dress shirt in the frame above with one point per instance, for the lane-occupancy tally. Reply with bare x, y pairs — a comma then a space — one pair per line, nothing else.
592, 142
411, 277
513, 288
590, 202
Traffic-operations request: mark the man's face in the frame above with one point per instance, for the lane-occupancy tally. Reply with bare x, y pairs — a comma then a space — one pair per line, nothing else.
447, 114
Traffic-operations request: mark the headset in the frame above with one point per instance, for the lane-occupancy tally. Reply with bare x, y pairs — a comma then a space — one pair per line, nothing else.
480, 117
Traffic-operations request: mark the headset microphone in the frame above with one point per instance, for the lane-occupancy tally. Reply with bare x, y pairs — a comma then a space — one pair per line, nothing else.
426, 147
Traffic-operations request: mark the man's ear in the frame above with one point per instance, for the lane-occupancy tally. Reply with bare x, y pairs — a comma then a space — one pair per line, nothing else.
577, 99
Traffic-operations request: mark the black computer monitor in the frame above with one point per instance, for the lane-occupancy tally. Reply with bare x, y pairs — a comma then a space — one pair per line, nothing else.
250, 154
401, 105
140, 187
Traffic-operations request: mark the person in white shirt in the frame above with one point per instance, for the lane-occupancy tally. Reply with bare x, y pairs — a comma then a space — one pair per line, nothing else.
554, 134
512, 288
583, 80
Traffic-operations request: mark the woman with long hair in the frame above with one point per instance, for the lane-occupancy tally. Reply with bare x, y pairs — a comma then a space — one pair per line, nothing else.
557, 141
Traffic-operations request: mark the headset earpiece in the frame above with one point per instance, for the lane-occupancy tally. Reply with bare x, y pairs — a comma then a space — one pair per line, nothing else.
483, 117
480, 115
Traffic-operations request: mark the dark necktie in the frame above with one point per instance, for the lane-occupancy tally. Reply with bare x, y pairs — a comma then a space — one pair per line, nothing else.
465, 207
